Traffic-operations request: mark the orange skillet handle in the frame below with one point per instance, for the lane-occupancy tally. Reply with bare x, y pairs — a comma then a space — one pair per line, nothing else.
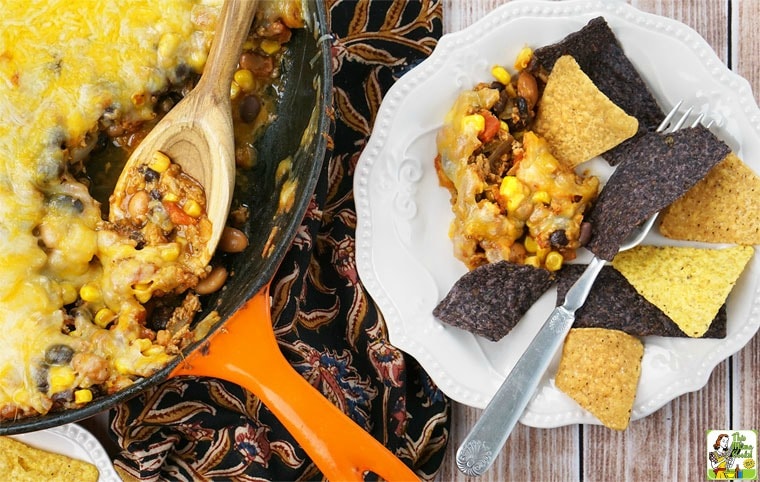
341, 449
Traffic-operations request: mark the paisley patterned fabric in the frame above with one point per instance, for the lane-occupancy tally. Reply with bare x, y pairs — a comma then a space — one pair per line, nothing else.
326, 324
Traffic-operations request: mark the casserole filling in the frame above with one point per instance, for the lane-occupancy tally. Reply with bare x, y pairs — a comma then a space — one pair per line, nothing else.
86, 305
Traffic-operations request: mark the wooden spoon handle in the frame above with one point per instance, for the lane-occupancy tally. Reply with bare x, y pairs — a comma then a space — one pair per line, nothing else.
244, 351
231, 31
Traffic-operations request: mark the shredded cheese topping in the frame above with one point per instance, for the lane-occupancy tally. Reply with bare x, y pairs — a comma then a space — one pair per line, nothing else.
64, 66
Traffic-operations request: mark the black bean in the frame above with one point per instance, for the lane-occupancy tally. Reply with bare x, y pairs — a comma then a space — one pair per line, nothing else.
182, 71
501, 104
66, 202
40, 376
250, 107
60, 399
59, 354
558, 238
150, 175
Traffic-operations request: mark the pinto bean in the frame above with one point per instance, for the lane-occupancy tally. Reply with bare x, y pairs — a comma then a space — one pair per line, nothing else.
233, 240
527, 88
213, 282
138, 205
585, 234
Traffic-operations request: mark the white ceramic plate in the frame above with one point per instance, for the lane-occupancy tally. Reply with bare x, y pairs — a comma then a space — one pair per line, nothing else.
404, 255
73, 441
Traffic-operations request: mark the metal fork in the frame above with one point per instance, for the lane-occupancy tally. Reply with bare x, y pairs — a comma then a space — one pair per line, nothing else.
483, 443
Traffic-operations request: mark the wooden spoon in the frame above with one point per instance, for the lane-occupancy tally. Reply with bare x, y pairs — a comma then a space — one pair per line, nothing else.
197, 133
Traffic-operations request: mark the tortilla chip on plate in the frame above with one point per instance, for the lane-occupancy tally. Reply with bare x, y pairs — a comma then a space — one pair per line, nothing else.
724, 207
20, 462
657, 170
576, 118
600, 370
689, 284
613, 303
491, 299
601, 56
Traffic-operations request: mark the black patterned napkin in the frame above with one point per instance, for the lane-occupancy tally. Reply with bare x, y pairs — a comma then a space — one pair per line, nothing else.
327, 325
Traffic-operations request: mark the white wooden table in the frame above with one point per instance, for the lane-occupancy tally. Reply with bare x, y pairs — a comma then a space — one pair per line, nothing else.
669, 444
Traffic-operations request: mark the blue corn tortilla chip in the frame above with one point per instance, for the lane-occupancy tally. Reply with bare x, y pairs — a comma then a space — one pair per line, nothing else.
615, 304
491, 299
601, 57
659, 169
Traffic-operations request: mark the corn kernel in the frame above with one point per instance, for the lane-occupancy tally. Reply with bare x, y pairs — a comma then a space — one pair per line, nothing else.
532, 261
159, 162
61, 378
248, 45
103, 317
154, 350
542, 197
234, 90
548, 162
244, 78
553, 261
523, 58
269, 46
83, 396
167, 47
90, 292
170, 252
473, 123
501, 74
142, 292
513, 190
68, 293
122, 366
503, 126
197, 60
170, 197
143, 344
530, 244
192, 208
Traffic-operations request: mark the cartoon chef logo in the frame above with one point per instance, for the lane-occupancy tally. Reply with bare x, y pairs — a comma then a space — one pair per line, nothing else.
731, 454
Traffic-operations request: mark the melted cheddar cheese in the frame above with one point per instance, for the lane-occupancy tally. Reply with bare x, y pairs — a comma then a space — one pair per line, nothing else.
72, 287
511, 198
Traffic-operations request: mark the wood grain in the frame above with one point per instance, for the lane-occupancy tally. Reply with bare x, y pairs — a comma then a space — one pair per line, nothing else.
669, 444
746, 43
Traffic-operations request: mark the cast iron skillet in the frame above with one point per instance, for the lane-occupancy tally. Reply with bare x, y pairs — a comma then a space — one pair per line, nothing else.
339, 447
309, 88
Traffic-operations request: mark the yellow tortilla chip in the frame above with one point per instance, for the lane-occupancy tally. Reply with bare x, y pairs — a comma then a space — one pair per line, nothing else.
600, 369
687, 284
20, 462
724, 207
576, 118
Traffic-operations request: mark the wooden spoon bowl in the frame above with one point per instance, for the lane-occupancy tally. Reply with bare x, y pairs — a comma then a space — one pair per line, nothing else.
198, 133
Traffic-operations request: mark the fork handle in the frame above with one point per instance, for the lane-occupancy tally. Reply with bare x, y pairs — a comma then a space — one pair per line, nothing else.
483, 443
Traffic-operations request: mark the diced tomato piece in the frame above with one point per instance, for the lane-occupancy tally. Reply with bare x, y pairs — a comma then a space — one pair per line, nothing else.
177, 215
491, 126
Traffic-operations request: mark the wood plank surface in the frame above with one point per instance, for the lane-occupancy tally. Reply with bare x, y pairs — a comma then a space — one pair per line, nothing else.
669, 444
